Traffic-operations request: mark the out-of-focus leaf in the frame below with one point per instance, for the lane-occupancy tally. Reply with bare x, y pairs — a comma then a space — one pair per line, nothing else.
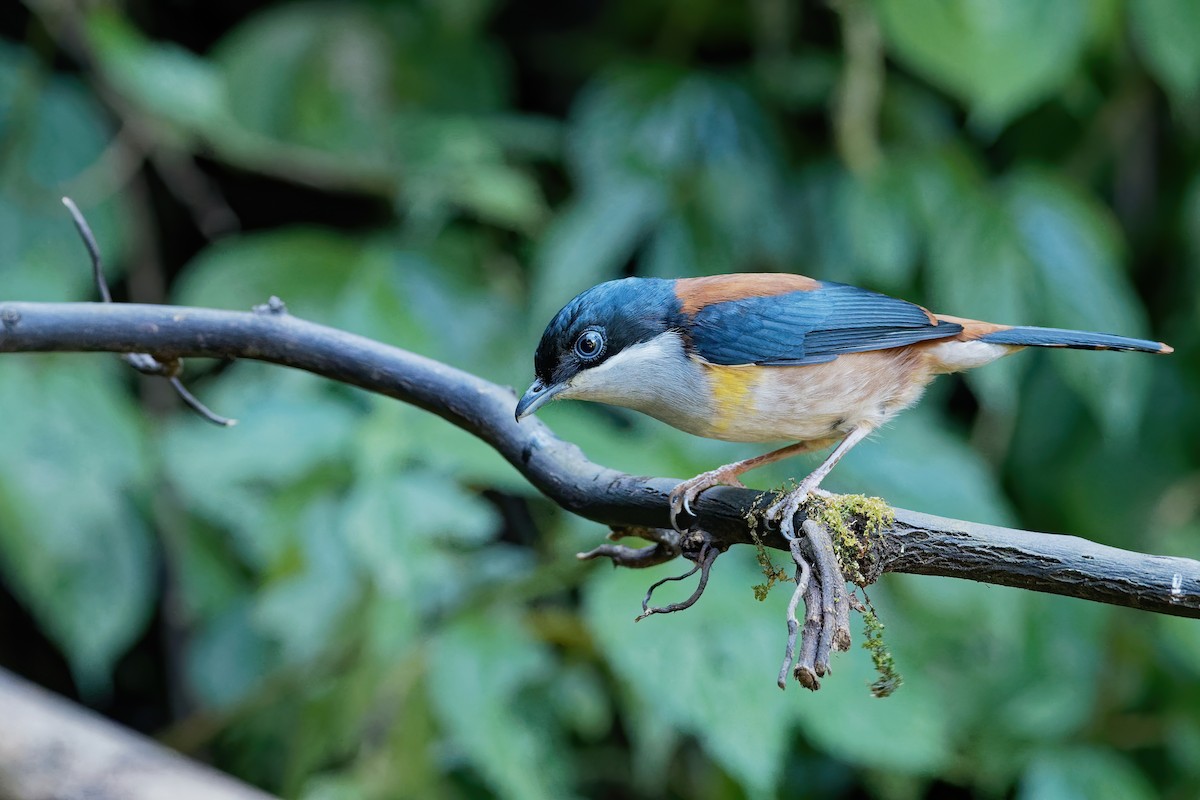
591, 240
227, 658
309, 75
1083, 773
335, 787
1000, 58
399, 296
1165, 33
883, 237
699, 148
290, 427
457, 162
482, 670
816, 205
164, 79
800, 82
406, 530
302, 608
74, 548
1075, 250
54, 136
307, 267
708, 672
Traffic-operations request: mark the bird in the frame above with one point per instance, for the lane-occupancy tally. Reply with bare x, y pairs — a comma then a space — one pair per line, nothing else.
767, 357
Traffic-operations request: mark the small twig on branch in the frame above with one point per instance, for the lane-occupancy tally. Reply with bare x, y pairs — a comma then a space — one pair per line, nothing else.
665, 548
142, 362
705, 557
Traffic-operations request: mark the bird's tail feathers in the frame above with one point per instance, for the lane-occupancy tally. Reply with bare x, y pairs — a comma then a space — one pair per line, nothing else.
1028, 336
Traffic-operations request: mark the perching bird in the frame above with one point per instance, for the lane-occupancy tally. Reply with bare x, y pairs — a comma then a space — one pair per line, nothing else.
767, 357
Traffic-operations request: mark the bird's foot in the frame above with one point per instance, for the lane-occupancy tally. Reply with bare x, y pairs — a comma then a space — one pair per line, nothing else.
783, 512
683, 495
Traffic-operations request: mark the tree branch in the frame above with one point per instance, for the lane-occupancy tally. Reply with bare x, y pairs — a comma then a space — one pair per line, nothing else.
915, 543
51, 748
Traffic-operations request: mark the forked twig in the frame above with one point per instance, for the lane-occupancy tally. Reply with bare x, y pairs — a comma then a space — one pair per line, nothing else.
144, 363
704, 561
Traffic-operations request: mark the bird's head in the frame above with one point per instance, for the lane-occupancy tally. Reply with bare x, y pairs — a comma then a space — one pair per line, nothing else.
600, 345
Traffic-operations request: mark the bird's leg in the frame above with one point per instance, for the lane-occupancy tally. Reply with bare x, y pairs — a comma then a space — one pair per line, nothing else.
783, 512
683, 495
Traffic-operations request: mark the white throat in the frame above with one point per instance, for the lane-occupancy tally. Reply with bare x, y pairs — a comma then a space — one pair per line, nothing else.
655, 377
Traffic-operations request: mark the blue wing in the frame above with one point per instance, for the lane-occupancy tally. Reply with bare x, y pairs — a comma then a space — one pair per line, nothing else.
810, 327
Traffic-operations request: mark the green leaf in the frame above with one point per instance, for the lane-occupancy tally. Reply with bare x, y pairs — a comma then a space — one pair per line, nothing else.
413, 532
41, 257
1000, 58
708, 672
291, 426
74, 547
289, 66
1165, 33
1082, 773
1075, 248
302, 610
884, 243
686, 162
307, 267
227, 658
482, 671
164, 79
591, 240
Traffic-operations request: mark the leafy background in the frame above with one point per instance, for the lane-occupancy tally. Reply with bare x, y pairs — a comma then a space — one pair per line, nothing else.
344, 598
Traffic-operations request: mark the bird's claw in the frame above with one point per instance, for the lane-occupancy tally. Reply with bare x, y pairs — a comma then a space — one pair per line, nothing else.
686, 493
783, 512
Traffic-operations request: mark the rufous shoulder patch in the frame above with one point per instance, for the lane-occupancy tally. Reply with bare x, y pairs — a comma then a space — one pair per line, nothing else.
696, 293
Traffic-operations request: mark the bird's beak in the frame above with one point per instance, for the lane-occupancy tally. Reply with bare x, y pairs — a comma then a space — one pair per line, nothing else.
538, 395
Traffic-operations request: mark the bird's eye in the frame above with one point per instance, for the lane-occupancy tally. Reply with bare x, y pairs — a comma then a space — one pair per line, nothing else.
589, 345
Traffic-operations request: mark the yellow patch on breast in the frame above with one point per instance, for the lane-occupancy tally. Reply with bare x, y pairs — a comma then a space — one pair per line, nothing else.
732, 388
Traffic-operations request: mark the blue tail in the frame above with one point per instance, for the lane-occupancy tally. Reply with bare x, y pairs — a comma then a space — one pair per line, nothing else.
1080, 340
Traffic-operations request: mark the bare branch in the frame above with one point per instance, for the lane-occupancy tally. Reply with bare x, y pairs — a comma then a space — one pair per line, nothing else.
52, 748
914, 543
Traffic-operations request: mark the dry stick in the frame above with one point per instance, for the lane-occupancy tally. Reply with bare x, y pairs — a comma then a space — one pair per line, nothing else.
803, 574
704, 561
633, 557
806, 666
142, 362
833, 588
914, 543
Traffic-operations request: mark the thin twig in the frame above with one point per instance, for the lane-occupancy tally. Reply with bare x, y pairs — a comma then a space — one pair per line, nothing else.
192, 402
89, 241
142, 362
704, 561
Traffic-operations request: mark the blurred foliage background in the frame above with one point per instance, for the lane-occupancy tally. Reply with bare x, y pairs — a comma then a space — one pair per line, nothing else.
345, 598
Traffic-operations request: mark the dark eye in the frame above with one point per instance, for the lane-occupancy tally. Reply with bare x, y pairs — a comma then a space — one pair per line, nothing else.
589, 345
